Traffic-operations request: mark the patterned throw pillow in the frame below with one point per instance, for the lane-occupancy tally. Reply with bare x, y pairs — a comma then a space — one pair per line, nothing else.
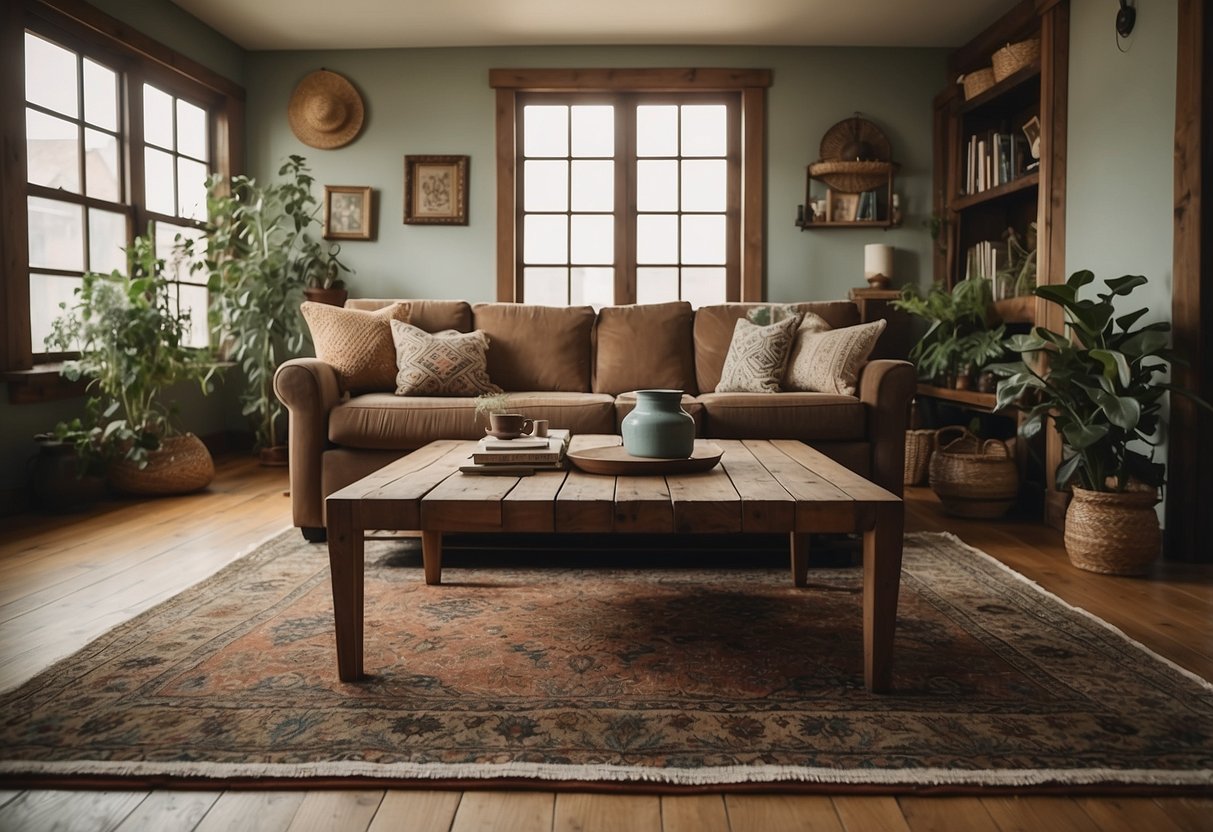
444, 364
829, 362
756, 357
357, 344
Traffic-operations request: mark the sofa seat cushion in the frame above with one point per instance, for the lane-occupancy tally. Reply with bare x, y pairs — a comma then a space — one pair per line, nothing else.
625, 403
430, 315
803, 416
385, 421
644, 346
537, 347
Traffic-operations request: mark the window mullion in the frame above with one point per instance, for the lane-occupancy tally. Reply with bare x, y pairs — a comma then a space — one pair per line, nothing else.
568, 205
135, 153
625, 199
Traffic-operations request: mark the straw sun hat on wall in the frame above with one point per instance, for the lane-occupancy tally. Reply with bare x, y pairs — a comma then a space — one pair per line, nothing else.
325, 110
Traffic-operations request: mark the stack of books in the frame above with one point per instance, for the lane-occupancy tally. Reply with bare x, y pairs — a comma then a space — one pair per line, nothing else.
520, 457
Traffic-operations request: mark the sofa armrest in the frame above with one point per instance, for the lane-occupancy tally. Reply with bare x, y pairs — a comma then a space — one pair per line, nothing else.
308, 387
886, 388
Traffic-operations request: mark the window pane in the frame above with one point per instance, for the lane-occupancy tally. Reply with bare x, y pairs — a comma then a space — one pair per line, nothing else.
158, 181
703, 287
657, 130
593, 186
546, 131
157, 117
593, 131
46, 292
545, 186
703, 239
50, 76
100, 95
547, 287
656, 285
656, 185
56, 234
593, 286
176, 267
656, 238
193, 299
191, 130
545, 239
106, 241
101, 179
191, 189
53, 151
593, 238
704, 185
704, 131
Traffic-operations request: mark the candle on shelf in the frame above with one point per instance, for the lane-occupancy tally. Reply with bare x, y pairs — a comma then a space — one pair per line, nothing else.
877, 265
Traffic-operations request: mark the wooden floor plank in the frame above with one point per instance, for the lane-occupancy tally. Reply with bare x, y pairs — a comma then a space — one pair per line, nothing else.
164, 810
1128, 814
946, 814
781, 813
870, 814
1030, 814
1193, 814
416, 811
694, 813
248, 811
579, 812
505, 812
336, 811
37, 810
7, 796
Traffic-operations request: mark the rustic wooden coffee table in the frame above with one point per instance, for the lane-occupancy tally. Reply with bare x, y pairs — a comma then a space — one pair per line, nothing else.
760, 486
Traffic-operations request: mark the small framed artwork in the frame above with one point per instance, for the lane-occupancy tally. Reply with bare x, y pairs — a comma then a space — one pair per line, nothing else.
436, 190
841, 207
347, 212
1031, 130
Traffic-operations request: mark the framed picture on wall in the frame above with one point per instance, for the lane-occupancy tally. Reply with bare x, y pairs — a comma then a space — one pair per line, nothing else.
436, 190
841, 207
347, 212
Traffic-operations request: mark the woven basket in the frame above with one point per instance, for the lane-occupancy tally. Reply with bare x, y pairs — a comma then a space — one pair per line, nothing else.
181, 464
852, 177
1112, 532
1012, 58
919, 444
977, 82
973, 478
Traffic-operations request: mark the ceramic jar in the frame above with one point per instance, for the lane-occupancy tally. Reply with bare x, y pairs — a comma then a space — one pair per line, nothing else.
659, 427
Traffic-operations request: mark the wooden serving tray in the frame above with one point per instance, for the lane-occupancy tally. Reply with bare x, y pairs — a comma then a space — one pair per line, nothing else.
615, 461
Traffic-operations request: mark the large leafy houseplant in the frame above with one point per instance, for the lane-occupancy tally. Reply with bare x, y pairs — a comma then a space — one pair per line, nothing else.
261, 253
132, 341
1102, 385
952, 317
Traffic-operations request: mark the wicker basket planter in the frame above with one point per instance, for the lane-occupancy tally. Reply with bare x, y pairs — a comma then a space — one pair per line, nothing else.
1014, 57
919, 445
1113, 532
180, 465
973, 478
977, 82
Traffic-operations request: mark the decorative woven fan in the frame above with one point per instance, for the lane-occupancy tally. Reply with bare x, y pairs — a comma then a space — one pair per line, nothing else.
855, 156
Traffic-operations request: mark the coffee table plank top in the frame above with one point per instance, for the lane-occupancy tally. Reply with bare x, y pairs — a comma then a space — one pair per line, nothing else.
586, 501
390, 498
705, 502
642, 504
766, 506
528, 507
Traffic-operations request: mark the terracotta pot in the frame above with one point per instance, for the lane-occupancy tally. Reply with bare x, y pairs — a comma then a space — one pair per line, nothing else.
180, 465
274, 456
1112, 532
333, 297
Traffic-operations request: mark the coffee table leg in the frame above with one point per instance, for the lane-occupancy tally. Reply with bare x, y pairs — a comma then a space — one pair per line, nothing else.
882, 545
800, 558
431, 557
346, 563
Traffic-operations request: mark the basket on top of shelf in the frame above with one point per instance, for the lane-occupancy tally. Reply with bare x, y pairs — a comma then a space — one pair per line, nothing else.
976, 82
973, 478
854, 157
1013, 57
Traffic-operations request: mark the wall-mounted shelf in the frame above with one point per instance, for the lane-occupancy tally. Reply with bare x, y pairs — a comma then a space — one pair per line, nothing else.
811, 226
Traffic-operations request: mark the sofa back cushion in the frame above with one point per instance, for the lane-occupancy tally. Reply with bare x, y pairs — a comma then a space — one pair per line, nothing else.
714, 325
533, 347
643, 346
430, 315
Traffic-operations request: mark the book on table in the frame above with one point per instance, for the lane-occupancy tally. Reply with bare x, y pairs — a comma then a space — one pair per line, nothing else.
489, 451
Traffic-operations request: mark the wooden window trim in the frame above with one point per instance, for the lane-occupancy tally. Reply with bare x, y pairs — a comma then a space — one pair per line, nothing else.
751, 83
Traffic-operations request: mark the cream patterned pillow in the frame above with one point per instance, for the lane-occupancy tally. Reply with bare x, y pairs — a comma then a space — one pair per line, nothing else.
829, 362
446, 364
356, 343
756, 357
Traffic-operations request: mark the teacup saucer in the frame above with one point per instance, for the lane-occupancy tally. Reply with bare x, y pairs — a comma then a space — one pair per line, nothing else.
503, 434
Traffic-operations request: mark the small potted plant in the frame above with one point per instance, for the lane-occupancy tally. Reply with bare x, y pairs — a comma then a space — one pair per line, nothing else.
1102, 390
323, 270
952, 317
488, 404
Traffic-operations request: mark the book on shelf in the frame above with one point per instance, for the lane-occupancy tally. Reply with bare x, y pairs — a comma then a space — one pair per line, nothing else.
983, 260
553, 451
993, 159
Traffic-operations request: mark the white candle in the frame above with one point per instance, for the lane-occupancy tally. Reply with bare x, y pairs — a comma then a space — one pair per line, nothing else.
877, 260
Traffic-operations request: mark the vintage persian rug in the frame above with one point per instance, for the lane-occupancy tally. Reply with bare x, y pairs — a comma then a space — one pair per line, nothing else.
725, 677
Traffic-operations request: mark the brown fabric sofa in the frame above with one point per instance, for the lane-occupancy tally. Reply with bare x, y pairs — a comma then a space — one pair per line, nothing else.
578, 369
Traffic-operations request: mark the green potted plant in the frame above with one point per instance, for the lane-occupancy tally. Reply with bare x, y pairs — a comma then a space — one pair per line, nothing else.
131, 339
323, 270
260, 256
1102, 388
1017, 278
942, 352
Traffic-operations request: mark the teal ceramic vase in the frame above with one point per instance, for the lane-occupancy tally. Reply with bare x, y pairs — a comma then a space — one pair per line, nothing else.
659, 427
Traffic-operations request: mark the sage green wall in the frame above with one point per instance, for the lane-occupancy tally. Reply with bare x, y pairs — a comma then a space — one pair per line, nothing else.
423, 101
1120, 165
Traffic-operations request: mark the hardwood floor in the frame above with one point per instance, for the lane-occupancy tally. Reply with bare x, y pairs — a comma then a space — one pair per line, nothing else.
64, 580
